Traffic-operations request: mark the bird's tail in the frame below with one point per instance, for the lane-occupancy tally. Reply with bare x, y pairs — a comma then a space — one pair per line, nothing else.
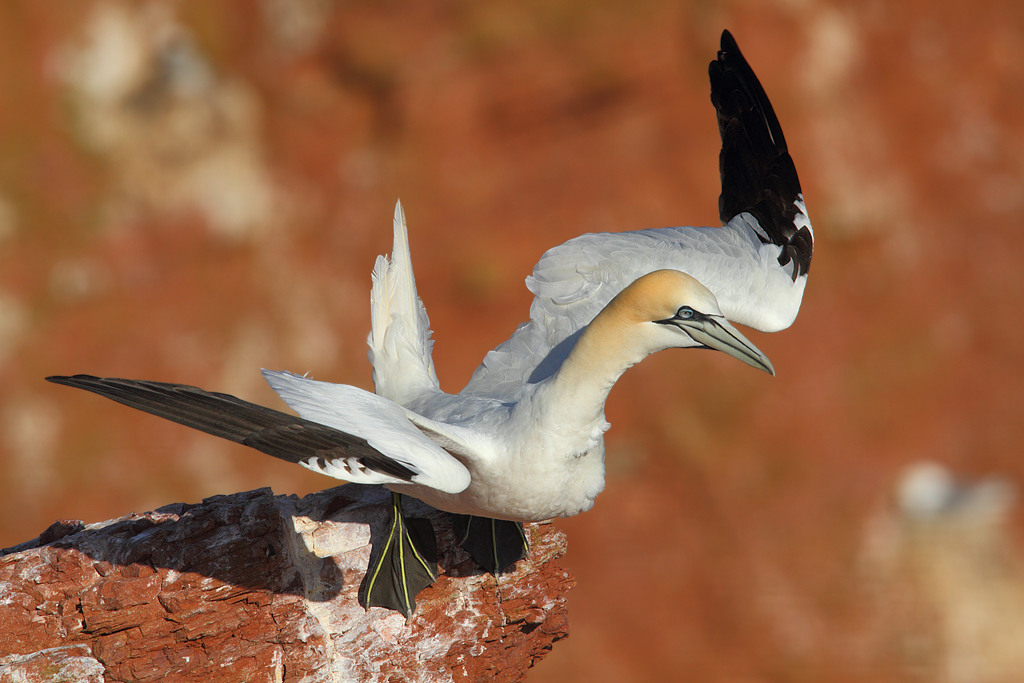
400, 345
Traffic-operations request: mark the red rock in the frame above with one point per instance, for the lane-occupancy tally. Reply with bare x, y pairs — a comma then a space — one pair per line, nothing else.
192, 595
67, 664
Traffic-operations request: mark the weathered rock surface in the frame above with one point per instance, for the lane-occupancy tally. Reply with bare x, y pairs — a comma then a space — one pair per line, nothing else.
257, 587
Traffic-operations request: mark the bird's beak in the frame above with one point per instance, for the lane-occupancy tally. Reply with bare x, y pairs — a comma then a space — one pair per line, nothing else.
718, 333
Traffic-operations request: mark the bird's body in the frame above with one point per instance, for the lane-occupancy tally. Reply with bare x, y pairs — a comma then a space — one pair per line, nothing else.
516, 461
531, 462
531, 453
523, 441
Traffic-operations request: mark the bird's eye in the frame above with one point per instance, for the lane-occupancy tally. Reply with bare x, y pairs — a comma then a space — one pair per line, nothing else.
685, 313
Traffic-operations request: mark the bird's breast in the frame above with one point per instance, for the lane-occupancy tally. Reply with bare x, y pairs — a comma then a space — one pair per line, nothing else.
531, 463
525, 489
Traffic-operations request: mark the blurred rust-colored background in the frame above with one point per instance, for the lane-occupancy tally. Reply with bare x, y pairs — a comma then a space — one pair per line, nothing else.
192, 190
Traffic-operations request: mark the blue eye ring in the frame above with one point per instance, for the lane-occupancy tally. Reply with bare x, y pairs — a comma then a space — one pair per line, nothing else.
685, 312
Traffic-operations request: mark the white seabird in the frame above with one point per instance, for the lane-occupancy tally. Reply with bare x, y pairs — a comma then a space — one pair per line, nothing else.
523, 441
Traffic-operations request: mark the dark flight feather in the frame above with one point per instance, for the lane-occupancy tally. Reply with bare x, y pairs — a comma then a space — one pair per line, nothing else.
270, 431
758, 175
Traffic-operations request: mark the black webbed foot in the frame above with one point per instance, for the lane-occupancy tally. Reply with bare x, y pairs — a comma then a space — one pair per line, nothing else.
402, 565
495, 544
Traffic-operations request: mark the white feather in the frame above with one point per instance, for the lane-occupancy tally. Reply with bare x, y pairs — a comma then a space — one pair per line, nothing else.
575, 280
400, 344
384, 424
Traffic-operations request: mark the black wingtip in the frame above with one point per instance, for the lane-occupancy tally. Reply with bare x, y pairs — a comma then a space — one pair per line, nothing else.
72, 380
758, 175
728, 43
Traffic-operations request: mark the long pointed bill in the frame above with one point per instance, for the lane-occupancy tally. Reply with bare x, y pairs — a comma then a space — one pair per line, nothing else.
719, 334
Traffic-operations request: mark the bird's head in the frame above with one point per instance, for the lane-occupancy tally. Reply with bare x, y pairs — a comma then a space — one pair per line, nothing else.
671, 309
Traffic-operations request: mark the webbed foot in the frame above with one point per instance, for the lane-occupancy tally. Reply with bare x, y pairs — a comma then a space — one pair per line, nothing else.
402, 565
495, 544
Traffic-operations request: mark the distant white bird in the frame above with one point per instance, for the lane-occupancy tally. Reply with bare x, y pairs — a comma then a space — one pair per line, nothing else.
524, 440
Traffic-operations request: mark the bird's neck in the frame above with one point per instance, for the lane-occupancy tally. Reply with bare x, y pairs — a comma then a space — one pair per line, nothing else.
576, 393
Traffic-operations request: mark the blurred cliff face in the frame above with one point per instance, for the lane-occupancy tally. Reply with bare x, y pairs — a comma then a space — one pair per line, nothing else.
176, 135
946, 578
192, 190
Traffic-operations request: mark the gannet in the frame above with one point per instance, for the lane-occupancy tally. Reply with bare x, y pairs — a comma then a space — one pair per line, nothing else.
523, 441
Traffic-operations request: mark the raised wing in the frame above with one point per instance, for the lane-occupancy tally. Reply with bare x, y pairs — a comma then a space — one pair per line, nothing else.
756, 265
400, 345
758, 175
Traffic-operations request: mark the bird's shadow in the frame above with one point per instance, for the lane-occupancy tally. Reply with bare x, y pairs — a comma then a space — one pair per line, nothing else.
314, 547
